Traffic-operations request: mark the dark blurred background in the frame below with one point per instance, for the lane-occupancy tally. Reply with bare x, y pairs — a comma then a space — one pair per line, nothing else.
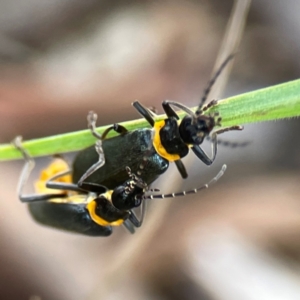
238, 240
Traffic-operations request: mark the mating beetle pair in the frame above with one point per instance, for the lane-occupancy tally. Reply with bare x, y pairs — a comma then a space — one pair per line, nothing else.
87, 208
103, 188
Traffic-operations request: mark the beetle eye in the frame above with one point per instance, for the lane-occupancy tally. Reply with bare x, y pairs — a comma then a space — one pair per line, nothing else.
201, 124
138, 201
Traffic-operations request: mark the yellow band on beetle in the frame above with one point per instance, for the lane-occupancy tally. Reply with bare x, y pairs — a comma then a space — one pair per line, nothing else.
91, 207
160, 149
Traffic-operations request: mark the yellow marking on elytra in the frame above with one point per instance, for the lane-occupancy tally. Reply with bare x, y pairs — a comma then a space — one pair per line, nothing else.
91, 207
160, 149
58, 165
74, 199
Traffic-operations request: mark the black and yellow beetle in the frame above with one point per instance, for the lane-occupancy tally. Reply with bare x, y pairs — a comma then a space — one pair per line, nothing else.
169, 140
90, 209
100, 191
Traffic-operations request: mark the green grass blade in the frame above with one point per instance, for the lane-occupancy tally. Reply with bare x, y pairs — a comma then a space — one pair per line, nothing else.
272, 103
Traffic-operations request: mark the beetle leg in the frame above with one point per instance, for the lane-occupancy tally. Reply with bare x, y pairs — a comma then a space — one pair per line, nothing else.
181, 168
214, 143
95, 166
200, 153
133, 218
85, 186
92, 119
129, 226
116, 127
144, 112
52, 184
170, 112
27, 169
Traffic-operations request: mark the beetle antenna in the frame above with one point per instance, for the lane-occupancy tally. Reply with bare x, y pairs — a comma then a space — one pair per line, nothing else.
230, 144
211, 83
194, 191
